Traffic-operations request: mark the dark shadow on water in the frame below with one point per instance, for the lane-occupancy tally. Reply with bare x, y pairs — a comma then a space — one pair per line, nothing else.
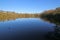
54, 35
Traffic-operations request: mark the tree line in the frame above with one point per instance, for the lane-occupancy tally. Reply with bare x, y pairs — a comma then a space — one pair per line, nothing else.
6, 15
52, 15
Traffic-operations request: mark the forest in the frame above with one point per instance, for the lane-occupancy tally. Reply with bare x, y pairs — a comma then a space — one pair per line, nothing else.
51, 15
7, 15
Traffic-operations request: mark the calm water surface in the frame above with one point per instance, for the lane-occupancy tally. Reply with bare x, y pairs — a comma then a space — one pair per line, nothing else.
25, 29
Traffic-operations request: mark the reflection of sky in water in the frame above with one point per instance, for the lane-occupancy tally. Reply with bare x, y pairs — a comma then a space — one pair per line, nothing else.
24, 27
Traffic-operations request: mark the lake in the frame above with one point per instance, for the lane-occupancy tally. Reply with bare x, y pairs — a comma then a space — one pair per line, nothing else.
25, 29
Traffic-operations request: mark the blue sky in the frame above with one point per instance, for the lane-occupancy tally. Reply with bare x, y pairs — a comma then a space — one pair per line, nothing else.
28, 6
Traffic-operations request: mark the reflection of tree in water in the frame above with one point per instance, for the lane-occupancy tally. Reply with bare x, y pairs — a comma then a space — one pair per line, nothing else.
54, 35
57, 32
8, 19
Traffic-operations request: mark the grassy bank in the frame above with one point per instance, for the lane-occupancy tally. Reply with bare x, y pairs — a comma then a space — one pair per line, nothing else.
52, 15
